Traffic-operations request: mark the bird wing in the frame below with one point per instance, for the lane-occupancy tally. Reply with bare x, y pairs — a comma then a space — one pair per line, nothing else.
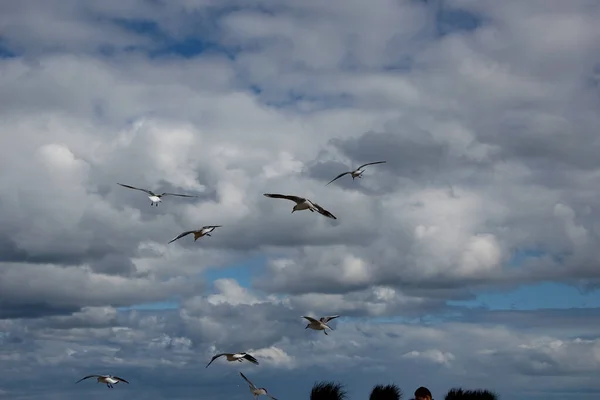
181, 235
214, 358
311, 319
323, 211
283, 196
338, 177
120, 379
247, 380
371, 163
327, 319
271, 397
251, 358
89, 376
135, 188
176, 194
210, 226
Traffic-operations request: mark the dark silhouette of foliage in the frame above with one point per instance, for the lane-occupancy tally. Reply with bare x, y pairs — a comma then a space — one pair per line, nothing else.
328, 390
478, 394
387, 392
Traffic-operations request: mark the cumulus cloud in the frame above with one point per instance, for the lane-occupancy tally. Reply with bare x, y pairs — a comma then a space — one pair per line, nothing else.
485, 111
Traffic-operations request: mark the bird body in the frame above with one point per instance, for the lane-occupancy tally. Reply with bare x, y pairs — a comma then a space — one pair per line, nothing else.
109, 380
319, 324
302, 203
357, 173
198, 233
234, 357
155, 199
256, 391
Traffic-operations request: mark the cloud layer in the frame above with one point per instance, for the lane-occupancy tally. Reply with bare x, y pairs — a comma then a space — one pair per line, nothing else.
487, 115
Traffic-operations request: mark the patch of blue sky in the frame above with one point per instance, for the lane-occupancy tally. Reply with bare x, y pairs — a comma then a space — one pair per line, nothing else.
242, 271
545, 295
161, 305
166, 45
6, 52
450, 20
521, 256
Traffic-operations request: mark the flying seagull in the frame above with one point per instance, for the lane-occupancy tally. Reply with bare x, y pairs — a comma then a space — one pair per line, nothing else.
155, 198
302, 204
235, 357
205, 231
256, 391
320, 324
108, 379
357, 173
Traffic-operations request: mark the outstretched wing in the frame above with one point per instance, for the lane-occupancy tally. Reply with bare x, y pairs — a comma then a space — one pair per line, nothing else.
247, 380
327, 319
371, 163
180, 236
338, 177
211, 227
120, 379
271, 397
311, 319
176, 194
251, 358
214, 358
323, 211
136, 188
283, 196
89, 376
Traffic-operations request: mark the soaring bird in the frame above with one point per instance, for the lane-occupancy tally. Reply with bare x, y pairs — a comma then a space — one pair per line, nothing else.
302, 204
109, 380
235, 357
155, 198
204, 231
357, 173
256, 391
320, 324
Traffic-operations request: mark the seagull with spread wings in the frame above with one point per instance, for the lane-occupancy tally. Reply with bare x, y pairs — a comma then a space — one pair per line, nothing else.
155, 199
320, 324
198, 233
109, 380
357, 173
235, 357
302, 204
256, 391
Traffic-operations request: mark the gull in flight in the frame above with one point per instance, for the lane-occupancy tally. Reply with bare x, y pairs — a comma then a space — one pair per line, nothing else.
109, 380
320, 324
235, 357
302, 204
357, 173
256, 391
155, 199
205, 231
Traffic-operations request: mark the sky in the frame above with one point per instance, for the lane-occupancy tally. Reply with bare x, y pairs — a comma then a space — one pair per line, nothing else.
469, 259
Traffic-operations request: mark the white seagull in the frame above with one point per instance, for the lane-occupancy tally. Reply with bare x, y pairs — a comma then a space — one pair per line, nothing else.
357, 173
320, 324
256, 391
235, 357
109, 380
302, 204
155, 198
198, 233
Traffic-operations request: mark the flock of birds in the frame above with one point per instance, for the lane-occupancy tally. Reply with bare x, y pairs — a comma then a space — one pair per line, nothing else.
302, 203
